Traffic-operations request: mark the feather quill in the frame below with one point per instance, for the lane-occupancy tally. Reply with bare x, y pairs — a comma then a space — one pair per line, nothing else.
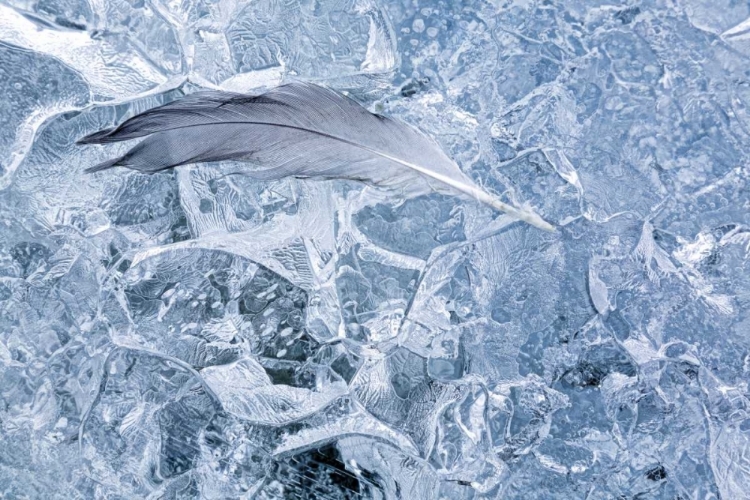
298, 130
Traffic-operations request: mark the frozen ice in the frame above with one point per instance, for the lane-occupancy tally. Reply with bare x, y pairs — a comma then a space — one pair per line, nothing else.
200, 334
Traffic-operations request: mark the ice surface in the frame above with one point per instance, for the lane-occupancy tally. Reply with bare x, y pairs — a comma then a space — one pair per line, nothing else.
198, 334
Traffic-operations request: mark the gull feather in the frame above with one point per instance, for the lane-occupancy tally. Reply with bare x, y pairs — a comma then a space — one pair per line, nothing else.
299, 130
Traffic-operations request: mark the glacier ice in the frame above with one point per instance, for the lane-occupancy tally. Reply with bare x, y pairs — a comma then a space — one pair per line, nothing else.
199, 334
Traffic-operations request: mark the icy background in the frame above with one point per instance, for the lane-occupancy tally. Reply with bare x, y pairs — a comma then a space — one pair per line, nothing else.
192, 335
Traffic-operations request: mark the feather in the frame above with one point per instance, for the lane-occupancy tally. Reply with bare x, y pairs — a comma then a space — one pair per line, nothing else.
298, 130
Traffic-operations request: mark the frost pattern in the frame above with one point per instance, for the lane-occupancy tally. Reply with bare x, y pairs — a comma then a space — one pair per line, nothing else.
198, 334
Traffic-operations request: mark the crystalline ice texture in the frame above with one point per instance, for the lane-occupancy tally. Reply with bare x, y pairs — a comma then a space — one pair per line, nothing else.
199, 334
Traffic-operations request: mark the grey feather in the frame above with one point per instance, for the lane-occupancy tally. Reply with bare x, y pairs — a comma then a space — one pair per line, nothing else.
298, 130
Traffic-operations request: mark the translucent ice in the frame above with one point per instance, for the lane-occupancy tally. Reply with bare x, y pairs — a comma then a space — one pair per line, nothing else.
200, 334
